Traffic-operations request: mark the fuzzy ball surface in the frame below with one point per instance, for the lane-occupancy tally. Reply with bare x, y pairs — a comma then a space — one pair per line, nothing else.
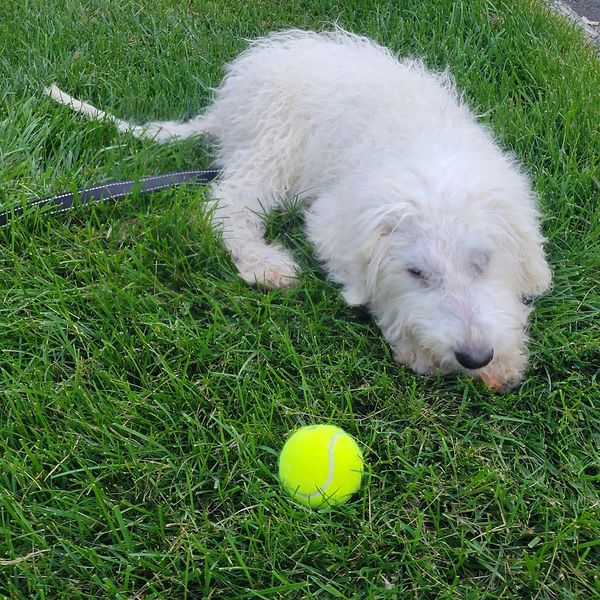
320, 465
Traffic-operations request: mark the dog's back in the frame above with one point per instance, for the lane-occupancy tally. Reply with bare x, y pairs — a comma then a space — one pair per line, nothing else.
303, 99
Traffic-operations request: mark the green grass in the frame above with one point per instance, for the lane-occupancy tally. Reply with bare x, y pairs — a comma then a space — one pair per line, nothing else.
145, 392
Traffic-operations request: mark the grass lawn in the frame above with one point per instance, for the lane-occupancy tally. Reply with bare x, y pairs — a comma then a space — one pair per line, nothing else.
145, 391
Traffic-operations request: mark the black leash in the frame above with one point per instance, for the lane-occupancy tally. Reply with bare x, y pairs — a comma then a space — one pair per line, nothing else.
111, 191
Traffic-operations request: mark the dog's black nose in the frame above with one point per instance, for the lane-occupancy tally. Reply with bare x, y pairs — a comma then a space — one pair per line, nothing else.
474, 358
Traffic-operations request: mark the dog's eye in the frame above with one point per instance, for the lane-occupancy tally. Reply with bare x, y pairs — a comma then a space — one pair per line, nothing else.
527, 300
416, 273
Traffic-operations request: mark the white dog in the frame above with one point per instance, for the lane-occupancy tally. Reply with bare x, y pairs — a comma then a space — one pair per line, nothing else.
413, 208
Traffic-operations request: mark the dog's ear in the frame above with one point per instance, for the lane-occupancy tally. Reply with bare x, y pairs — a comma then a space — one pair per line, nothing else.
355, 294
380, 229
527, 243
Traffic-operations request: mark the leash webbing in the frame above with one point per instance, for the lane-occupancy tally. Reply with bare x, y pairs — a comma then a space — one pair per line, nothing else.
111, 191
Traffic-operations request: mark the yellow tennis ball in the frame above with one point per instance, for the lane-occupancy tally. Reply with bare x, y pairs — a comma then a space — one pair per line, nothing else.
320, 465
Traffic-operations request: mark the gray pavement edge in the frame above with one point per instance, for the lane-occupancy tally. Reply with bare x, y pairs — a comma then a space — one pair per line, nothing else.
592, 33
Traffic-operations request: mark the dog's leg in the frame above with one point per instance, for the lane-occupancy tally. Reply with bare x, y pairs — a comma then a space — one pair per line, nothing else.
163, 132
504, 373
238, 211
242, 197
407, 352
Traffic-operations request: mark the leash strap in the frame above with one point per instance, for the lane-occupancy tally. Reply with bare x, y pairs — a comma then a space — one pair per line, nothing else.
111, 191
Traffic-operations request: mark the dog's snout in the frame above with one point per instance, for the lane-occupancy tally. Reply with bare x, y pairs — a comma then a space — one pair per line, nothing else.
474, 358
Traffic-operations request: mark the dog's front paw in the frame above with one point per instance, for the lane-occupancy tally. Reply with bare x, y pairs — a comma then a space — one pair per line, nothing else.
406, 354
504, 373
271, 267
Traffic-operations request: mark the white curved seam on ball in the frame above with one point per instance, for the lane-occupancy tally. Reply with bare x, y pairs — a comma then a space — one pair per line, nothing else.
324, 487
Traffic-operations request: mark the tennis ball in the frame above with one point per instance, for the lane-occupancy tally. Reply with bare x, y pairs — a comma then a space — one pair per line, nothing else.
320, 465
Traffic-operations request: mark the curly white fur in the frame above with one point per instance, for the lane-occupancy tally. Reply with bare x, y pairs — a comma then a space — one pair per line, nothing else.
412, 207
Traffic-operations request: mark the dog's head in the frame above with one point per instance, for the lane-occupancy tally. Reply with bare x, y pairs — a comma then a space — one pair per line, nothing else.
453, 258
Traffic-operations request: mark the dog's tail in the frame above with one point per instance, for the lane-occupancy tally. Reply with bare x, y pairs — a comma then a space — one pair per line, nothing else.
163, 132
